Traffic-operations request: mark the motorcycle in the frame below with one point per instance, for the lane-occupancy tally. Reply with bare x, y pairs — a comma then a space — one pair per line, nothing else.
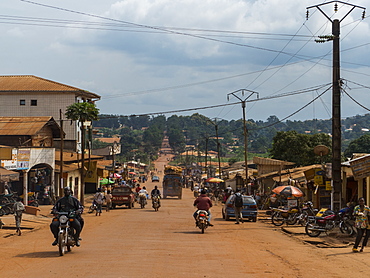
93, 207
330, 220
306, 211
281, 216
66, 236
202, 220
155, 202
142, 200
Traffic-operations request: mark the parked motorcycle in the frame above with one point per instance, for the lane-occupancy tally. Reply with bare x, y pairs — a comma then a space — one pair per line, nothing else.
330, 220
306, 211
281, 216
202, 220
155, 202
66, 236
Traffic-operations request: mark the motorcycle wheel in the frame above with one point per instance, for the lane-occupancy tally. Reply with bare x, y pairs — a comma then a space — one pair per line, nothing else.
1, 212
310, 232
292, 219
34, 203
91, 209
6, 210
61, 244
277, 219
69, 249
346, 228
303, 219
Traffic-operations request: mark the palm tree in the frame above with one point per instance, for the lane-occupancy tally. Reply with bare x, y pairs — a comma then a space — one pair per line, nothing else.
82, 112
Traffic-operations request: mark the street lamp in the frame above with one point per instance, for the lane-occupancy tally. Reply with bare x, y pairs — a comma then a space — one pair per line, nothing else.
243, 102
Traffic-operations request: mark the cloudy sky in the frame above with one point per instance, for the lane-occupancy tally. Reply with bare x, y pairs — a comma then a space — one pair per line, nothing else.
154, 56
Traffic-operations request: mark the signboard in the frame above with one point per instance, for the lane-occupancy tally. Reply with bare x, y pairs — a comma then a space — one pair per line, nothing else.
5, 153
328, 185
23, 159
360, 167
12, 163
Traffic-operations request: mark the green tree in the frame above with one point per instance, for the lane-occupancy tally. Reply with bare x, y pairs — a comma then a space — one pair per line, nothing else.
360, 145
82, 112
298, 148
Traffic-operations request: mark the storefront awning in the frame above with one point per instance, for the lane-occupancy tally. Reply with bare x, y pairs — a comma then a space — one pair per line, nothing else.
8, 176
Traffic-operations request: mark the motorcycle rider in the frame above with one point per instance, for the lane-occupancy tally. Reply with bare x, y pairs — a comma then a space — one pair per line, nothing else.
143, 194
156, 192
203, 203
68, 203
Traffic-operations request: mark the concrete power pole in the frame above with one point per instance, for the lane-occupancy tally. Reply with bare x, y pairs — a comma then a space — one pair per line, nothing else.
336, 102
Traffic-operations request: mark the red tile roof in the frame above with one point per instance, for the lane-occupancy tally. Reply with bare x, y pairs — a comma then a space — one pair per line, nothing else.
31, 83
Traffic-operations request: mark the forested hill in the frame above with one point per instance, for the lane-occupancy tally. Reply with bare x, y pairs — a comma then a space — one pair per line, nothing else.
192, 130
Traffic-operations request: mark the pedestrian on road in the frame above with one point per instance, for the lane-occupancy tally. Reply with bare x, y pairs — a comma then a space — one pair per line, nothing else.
108, 200
237, 201
362, 214
99, 200
18, 211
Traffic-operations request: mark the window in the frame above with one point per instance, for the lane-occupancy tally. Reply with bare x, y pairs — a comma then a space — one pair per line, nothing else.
22, 102
33, 102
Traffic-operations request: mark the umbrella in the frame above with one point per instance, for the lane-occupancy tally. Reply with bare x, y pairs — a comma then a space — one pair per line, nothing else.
215, 180
132, 173
288, 190
105, 181
115, 175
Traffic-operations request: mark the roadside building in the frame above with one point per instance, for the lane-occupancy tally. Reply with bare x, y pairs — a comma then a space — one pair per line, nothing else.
32, 96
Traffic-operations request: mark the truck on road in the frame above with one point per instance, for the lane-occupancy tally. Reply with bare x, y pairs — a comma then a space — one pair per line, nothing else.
172, 182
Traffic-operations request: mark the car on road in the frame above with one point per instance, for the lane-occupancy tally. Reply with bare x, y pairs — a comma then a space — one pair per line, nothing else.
122, 195
249, 210
155, 179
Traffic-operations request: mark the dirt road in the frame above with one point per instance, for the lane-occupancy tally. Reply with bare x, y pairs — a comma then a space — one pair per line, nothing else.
145, 243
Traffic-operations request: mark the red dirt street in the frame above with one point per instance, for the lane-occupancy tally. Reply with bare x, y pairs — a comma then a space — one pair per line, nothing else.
145, 243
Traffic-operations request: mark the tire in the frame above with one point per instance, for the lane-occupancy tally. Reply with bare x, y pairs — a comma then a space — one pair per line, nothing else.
113, 206
91, 209
346, 228
277, 219
129, 206
254, 219
61, 244
227, 217
6, 210
303, 219
311, 233
34, 203
1, 212
292, 219
69, 249
223, 215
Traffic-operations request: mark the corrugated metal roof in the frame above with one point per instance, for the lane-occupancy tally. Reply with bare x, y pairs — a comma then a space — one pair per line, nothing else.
72, 156
270, 161
26, 125
31, 83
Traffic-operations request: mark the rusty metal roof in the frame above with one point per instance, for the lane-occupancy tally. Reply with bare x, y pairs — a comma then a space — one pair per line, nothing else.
31, 83
27, 125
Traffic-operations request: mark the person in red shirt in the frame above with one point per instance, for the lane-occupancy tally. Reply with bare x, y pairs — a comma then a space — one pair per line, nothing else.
203, 203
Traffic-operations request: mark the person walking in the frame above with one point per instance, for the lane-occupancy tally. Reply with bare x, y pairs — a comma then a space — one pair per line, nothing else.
362, 214
99, 200
237, 201
108, 200
18, 211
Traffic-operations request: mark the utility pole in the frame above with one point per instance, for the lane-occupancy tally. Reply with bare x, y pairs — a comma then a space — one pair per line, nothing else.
61, 185
243, 102
206, 157
336, 102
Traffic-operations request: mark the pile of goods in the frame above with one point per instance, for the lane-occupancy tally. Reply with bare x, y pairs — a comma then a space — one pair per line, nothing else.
172, 170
